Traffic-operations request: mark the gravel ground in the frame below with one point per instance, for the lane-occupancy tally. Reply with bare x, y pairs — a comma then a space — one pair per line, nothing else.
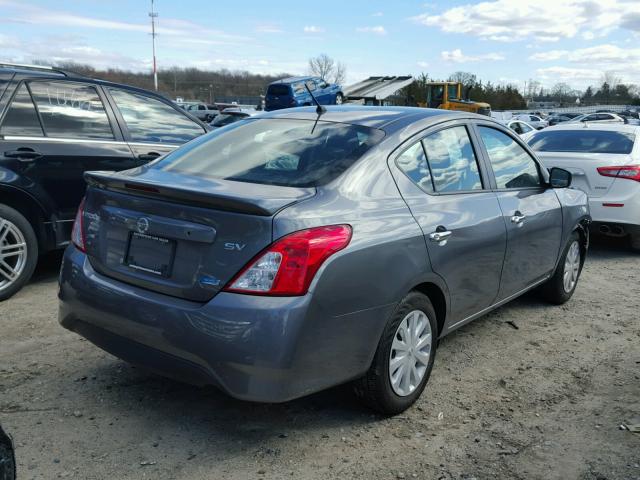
545, 400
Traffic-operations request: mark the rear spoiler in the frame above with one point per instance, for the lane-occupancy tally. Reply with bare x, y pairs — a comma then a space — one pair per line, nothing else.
227, 195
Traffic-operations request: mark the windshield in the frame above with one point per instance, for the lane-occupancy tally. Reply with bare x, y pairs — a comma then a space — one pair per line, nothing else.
295, 153
585, 140
278, 89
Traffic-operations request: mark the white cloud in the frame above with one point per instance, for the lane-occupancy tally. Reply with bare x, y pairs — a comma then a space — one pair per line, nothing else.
269, 28
313, 29
456, 56
423, 64
378, 30
549, 56
568, 74
541, 20
377, 14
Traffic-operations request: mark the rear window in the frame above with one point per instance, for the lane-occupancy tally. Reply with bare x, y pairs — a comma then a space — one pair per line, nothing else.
585, 140
294, 153
278, 90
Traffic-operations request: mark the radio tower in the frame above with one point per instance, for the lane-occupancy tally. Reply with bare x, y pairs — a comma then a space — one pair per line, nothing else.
153, 16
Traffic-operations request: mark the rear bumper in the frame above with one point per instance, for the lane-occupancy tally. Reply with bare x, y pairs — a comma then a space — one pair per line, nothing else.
268, 349
607, 210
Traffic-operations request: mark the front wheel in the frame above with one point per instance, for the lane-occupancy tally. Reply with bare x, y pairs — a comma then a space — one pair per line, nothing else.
339, 99
634, 241
18, 251
404, 358
560, 287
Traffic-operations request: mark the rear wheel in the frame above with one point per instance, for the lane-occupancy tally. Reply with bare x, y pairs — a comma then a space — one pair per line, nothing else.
560, 287
404, 358
339, 99
634, 241
18, 251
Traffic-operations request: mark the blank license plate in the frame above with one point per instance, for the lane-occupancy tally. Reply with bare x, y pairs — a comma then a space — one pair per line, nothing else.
150, 254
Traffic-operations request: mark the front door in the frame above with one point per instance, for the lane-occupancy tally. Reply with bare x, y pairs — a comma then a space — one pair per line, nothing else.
531, 210
53, 132
460, 218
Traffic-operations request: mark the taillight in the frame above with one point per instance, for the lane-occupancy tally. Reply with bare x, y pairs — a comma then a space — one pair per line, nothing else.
77, 234
630, 172
287, 266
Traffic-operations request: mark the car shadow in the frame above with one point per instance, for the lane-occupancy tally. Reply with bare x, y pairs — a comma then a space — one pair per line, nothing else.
48, 267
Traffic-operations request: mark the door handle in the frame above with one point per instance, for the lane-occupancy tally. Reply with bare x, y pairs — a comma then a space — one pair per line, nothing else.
148, 156
440, 234
518, 217
24, 154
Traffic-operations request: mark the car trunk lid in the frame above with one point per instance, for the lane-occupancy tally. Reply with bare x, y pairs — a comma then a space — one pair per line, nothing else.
177, 234
584, 168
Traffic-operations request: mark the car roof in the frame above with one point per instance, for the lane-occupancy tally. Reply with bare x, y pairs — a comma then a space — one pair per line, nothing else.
293, 79
388, 119
27, 72
613, 127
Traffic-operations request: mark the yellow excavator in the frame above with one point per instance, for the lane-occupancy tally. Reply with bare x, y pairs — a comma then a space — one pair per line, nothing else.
449, 96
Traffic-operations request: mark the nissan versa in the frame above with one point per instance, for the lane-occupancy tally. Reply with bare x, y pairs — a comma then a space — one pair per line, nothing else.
297, 250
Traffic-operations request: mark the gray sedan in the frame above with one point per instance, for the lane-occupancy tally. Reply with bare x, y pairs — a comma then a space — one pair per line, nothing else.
302, 249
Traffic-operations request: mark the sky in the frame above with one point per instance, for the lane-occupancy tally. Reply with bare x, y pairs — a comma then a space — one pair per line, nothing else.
503, 41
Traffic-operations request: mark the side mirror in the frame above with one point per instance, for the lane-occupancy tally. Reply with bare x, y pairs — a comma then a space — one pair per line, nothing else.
559, 178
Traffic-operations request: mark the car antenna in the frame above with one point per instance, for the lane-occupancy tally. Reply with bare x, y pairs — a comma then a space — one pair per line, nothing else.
319, 108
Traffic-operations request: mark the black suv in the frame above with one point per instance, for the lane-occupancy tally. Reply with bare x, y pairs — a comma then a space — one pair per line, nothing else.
54, 126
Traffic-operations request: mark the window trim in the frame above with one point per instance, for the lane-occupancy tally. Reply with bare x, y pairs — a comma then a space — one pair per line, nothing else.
111, 121
485, 179
126, 134
544, 184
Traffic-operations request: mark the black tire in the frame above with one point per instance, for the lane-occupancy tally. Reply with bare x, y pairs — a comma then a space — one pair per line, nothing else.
634, 241
341, 97
553, 290
375, 389
26, 230
7, 458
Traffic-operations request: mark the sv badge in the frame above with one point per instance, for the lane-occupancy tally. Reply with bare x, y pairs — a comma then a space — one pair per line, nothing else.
236, 247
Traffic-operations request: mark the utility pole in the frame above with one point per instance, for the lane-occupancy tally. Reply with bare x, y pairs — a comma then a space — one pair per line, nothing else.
153, 16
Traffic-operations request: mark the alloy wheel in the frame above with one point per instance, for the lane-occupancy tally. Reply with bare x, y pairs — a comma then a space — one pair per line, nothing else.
410, 353
13, 253
571, 267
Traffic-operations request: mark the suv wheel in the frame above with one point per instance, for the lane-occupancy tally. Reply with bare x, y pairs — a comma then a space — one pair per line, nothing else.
634, 239
560, 287
339, 99
403, 361
18, 251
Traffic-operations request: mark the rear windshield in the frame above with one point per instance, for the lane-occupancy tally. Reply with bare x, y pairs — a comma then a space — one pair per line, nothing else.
584, 140
278, 89
294, 153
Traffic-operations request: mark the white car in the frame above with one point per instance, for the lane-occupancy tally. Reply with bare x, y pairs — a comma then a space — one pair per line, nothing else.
522, 128
602, 117
604, 160
534, 120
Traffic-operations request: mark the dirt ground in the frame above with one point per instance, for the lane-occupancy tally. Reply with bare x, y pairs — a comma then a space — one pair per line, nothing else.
545, 400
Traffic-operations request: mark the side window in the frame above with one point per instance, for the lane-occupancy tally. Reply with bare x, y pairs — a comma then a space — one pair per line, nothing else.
21, 118
71, 110
311, 84
452, 160
525, 128
201, 107
413, 163
516, 127
512, 165
151, 120
453, 92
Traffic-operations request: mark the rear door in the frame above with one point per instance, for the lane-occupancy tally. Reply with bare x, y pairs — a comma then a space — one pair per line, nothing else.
440, 179
53, 132
151, 126
532, 212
